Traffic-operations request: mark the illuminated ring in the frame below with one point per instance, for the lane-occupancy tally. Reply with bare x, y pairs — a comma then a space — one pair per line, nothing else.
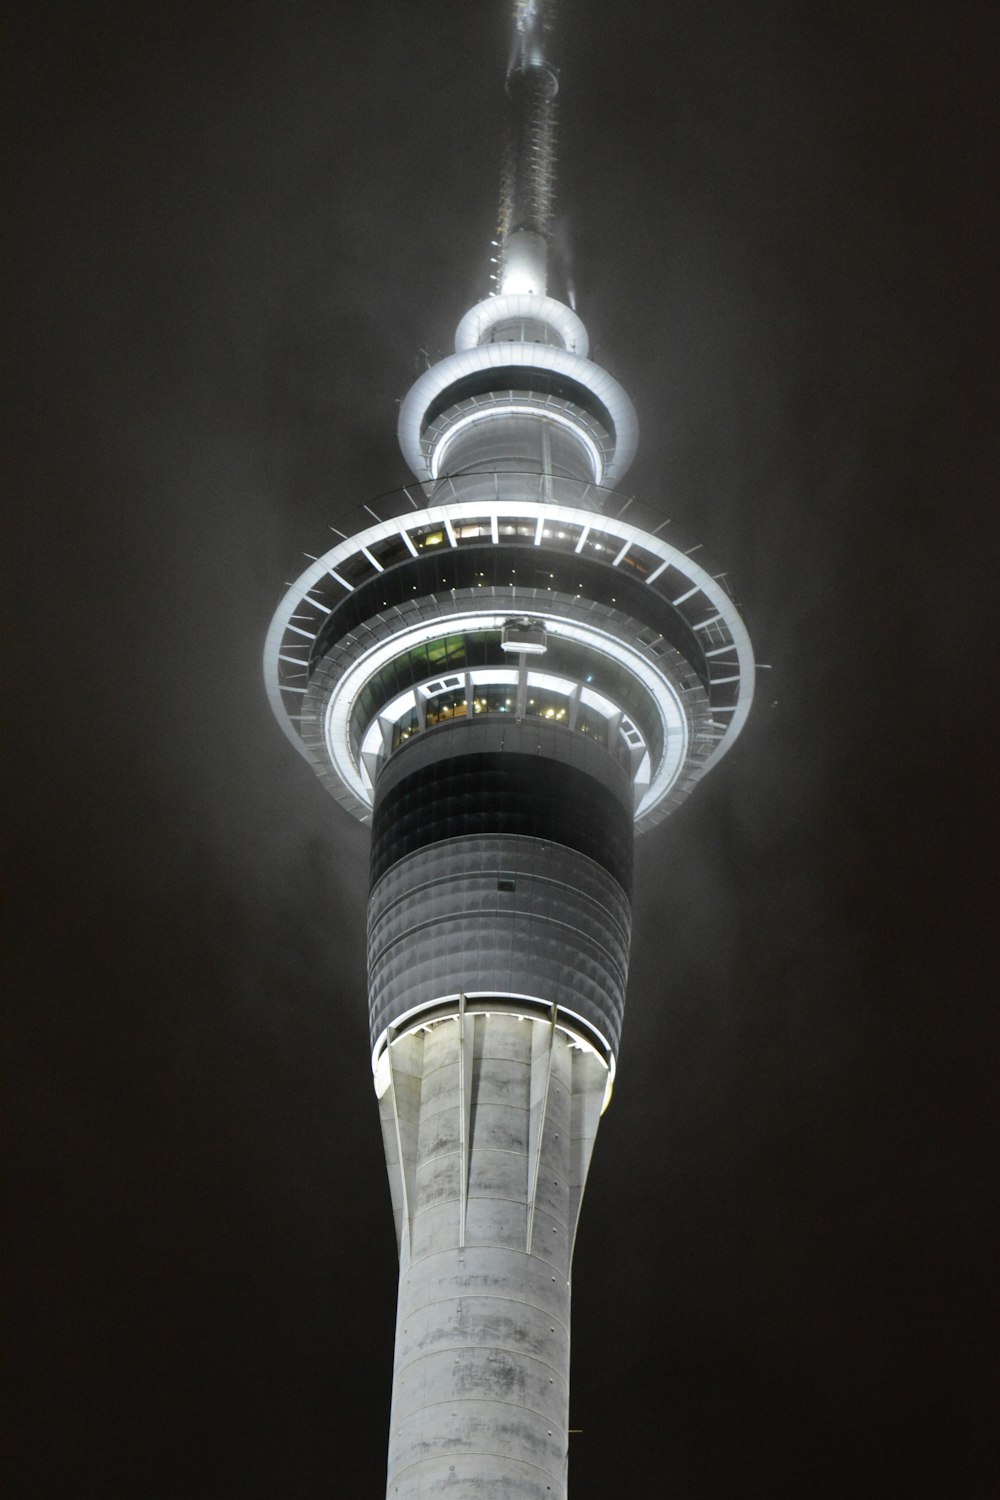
673, 719
436, 381
299, 603
475, 327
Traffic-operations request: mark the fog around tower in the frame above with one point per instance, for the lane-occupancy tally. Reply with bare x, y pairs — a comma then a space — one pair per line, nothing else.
234, 233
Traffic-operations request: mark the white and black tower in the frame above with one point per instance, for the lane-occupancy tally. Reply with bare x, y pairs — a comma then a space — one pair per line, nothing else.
507, 670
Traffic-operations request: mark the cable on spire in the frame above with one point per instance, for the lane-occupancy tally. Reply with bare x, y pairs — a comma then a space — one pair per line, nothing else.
528, 177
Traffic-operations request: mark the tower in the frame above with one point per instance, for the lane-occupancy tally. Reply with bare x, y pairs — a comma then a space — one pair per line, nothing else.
507, 669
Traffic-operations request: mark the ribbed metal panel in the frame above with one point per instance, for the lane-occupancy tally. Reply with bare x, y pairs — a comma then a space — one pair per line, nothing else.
499, 915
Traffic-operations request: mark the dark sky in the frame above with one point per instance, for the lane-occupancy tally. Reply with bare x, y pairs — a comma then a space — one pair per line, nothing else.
232, 230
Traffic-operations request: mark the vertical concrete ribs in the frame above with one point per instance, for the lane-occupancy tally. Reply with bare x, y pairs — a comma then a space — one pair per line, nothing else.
489, 1123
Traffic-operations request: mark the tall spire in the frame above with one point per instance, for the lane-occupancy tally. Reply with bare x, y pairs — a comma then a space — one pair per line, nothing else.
527, 184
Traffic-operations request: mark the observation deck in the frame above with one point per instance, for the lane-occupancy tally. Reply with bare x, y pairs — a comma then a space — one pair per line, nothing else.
399, 628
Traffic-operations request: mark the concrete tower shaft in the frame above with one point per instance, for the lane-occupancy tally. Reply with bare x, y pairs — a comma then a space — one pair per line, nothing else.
508, 670
489, 1121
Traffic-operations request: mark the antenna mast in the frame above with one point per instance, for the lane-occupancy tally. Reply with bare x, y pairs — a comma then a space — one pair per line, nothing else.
528, 180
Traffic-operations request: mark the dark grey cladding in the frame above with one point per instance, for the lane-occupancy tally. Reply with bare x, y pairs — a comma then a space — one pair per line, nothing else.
501, 775
504, 917
501, 865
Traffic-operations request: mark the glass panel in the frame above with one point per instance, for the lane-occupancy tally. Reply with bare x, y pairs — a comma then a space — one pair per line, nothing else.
355, 569
474, 530
416, 666
390, 551
429, 537
671, 583
445, 708
515, 528
589, 721
604, 546
563, 535
640, 561
495, 698
543, 703
407, 725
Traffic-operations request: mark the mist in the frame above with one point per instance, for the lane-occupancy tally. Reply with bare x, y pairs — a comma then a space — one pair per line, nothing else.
231, 233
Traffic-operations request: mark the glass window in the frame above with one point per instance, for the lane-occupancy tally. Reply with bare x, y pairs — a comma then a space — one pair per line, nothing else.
390, 550
640, 561
562, 535
445, 707
355, 569
671, 583
589, 721
495, 698
416, 666
544, 703
474, 531
429, 537
606, 547
407, 725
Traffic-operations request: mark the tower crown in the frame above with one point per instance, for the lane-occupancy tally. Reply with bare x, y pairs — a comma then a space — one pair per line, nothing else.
516, 441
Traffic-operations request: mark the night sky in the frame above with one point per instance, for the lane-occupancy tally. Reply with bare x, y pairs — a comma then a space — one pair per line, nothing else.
233, 231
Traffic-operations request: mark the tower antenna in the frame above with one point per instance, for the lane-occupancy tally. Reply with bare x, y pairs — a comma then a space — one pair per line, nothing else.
528, 178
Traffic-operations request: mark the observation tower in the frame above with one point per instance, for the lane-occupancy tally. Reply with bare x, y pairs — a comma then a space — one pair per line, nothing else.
507, 669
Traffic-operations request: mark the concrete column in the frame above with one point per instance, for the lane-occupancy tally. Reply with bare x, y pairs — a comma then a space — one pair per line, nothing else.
489, 1122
